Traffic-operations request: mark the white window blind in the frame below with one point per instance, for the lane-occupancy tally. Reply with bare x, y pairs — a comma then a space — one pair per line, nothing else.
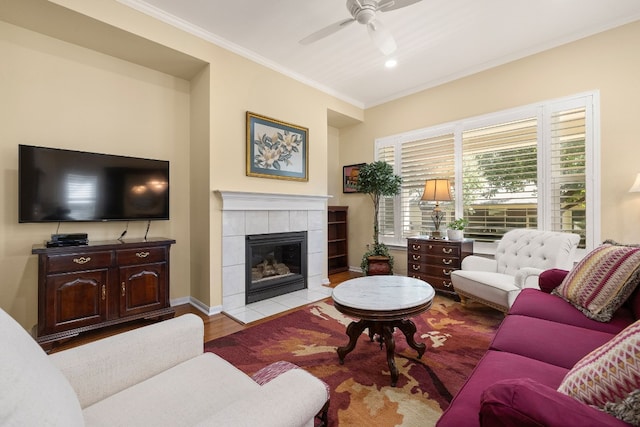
529, 167
568, 172
386, 217
500, 174
421, 160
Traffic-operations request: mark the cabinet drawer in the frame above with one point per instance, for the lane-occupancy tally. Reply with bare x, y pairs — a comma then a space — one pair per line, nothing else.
444, 261
80, 261
433, 247
440, 272
140, 256
439, 283
413, 268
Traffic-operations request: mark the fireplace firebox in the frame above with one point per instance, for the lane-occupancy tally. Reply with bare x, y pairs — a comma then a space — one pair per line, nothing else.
276, 264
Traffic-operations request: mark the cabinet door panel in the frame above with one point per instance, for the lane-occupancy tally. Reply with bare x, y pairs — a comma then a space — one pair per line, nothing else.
76, 300
142, 288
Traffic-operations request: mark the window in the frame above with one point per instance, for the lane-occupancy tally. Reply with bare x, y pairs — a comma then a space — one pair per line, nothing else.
523, 168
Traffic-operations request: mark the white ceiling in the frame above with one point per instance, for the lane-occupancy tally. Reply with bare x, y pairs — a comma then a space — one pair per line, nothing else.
438, 40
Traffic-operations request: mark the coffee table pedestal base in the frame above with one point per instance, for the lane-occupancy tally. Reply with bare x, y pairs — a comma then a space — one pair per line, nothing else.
383, 329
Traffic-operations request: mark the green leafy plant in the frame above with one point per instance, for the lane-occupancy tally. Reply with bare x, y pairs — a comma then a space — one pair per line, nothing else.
377, 180
458, 224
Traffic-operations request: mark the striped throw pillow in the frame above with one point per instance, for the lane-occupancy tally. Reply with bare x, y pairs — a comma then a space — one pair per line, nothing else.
601, 282
609, 374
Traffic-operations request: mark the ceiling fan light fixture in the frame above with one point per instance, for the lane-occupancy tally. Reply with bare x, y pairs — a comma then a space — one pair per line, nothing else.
381, 37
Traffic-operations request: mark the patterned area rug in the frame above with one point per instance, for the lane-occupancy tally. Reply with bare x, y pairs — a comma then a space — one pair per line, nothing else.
361, 392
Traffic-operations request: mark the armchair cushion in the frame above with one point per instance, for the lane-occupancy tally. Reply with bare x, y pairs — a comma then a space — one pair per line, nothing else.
523, 402
602, 281
33, 391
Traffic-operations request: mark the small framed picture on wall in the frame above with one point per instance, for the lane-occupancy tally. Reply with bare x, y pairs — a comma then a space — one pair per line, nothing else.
350, 177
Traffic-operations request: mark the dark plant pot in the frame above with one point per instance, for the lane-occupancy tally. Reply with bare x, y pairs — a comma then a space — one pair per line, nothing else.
378, 265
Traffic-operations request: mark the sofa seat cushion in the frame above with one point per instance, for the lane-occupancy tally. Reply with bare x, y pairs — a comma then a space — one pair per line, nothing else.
493, 367
523, 402
534, 303
550, 342
496, 288
183, 395
33, 391
602, 281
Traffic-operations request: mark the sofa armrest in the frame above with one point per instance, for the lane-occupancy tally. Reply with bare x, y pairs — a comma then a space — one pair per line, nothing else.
550, 279
293, 398
479, 263
524, 402
99, 369
527, 277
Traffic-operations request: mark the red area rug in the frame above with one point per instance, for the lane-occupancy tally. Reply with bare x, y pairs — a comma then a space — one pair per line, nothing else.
361, 392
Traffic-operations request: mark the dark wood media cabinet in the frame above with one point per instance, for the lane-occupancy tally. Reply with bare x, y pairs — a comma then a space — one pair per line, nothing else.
82, 288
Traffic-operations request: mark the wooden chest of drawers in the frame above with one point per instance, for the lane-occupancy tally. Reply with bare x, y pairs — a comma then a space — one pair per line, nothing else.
433, 260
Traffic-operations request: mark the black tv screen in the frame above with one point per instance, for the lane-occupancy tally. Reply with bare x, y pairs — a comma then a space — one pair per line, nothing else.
64, 185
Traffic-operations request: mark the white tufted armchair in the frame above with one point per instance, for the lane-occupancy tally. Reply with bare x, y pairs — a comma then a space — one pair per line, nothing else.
521, 256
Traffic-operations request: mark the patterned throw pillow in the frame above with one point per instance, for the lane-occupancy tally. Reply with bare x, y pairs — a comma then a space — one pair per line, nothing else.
609, 374
601, 282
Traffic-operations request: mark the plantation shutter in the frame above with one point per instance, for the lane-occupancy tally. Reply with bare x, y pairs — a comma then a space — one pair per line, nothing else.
421, 160
568, 172
500, 174
386, 215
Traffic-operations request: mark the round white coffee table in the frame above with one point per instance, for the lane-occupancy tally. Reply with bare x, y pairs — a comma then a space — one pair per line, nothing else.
383, 303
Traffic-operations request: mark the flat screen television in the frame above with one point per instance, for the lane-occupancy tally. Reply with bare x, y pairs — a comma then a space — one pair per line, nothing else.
56, 185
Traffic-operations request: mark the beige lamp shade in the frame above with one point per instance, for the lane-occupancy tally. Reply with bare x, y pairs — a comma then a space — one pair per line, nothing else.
437, 190
635, 188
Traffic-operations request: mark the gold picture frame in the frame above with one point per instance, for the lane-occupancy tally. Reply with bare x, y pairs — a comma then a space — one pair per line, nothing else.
276, 149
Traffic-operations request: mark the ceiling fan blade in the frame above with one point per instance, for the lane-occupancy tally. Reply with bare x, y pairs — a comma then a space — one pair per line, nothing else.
326, 31
387, 5
381, 37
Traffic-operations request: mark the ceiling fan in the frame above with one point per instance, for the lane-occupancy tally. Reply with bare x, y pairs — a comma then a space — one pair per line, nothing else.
364, 12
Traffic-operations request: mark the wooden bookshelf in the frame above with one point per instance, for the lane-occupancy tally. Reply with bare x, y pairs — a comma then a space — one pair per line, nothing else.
337, 235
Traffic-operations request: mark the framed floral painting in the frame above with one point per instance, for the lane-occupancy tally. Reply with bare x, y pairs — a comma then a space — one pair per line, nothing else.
276, 149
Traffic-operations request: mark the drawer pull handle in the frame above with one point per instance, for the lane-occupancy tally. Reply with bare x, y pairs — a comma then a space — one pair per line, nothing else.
430, 246
415, 267
446, 272
447, 250
446, 284
415, 247
104, 292
142, 254
82, 260
123, 288
416, 257
446, 261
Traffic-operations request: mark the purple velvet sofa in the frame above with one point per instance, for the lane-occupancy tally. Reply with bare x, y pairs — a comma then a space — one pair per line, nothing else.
516, 381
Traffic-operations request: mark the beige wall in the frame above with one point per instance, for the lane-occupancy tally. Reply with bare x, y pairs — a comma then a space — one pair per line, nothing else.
59, 95
608, 62
71, 94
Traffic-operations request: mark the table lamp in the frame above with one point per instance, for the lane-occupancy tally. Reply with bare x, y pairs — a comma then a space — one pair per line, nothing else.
437, 190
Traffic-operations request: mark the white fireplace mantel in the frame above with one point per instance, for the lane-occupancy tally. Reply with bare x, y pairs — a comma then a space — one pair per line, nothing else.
248, 213
248, 201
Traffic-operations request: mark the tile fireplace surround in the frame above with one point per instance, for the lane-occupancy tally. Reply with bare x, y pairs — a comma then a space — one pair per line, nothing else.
244, 214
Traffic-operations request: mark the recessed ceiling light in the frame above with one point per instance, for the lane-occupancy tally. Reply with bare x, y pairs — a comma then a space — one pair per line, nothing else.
390, 63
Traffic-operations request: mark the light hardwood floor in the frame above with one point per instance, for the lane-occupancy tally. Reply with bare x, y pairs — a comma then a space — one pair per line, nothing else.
216, 326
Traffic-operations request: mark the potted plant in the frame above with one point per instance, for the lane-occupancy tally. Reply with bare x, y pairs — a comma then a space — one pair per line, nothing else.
377, 180
455, 229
